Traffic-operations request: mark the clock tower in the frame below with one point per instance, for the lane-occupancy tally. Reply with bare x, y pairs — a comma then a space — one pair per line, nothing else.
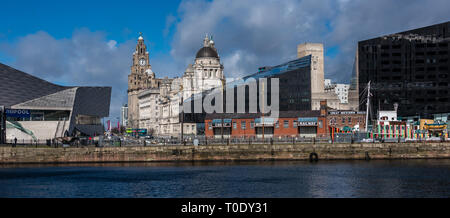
141, 77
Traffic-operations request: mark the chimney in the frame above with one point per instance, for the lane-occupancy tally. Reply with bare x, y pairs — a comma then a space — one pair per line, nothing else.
323, 107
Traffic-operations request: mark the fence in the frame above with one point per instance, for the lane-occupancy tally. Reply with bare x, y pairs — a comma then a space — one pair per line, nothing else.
360, 137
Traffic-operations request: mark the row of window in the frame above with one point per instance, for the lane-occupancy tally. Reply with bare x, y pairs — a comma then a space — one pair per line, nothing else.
344, 119
373, 48
286, 124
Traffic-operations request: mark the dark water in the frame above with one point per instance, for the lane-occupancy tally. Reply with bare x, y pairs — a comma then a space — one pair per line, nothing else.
399, 178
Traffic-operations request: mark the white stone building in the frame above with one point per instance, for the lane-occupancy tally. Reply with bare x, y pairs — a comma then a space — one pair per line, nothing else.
342, 92
149, 110
124, 115
159, 108
206, 72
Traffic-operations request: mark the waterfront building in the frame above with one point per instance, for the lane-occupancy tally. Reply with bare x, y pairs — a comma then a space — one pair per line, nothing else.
321, 89
341, 91
39, 110
250, 125
300, 124
124, 115
149, 110
157, 101
206, 73
141, 77
294, 89
410, 68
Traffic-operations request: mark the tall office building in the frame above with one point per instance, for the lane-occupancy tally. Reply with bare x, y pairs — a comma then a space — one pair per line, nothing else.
409, 68
317, 81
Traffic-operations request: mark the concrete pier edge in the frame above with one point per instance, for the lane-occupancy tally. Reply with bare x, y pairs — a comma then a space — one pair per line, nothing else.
254, 152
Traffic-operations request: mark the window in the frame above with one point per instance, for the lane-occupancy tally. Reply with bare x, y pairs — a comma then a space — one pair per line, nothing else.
252, 124
234, 125
286, 124
349, 120
277, 125
343, 120
295, 124
243, 124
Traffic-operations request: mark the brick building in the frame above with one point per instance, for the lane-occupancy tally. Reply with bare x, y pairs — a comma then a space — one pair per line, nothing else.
315, 123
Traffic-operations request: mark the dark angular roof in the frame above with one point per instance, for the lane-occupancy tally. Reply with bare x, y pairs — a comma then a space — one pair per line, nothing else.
17, 86
207, 52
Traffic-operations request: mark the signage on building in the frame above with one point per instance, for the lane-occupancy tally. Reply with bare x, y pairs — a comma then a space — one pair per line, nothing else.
345, 112
307, 121
219, 123
307, 124
21, 113
268, 121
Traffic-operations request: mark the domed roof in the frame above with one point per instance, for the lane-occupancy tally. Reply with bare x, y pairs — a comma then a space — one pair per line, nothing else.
207, 52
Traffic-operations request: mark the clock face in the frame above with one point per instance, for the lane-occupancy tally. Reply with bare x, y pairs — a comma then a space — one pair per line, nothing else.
142, 62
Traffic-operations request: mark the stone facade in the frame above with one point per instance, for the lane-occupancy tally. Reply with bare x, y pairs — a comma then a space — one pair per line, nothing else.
140, 78
155, 103
319, 91
230, 152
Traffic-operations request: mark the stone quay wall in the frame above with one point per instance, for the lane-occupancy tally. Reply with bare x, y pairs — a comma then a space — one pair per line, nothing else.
224, 153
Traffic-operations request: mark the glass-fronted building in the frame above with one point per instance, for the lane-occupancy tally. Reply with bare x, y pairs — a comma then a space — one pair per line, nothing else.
410, 69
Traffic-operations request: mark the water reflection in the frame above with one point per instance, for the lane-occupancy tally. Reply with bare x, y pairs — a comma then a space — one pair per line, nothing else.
398, 178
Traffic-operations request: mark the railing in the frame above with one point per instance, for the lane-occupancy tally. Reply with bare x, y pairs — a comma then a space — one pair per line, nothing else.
202, 140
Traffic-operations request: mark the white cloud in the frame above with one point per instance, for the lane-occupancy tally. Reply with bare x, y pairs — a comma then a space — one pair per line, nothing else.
112, 44
270, 30
86, 59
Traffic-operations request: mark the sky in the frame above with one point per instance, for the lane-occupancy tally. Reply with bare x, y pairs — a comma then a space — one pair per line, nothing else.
90, 43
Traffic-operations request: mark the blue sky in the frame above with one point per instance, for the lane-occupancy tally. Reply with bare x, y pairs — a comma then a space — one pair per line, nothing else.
91, 42
120, 20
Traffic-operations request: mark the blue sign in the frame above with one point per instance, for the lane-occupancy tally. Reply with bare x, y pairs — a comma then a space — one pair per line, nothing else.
227, 120
22, 113
217, 121
307, 119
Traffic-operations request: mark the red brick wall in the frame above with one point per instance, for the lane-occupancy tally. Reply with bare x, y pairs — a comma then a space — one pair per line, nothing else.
208, 132
239, 132
281, 131
355, 119
322, 131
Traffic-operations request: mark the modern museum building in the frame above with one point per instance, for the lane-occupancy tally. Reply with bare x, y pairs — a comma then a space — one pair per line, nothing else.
33, 109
